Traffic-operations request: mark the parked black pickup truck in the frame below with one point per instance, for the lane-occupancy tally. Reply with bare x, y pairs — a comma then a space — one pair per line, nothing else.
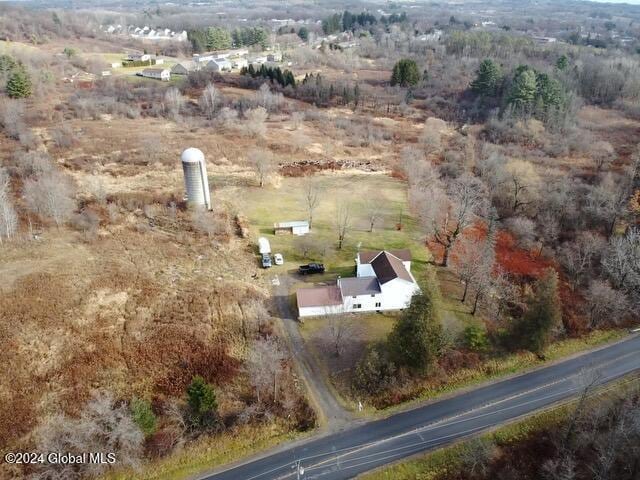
311, 268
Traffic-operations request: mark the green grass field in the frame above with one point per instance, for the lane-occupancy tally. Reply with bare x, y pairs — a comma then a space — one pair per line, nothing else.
266, 206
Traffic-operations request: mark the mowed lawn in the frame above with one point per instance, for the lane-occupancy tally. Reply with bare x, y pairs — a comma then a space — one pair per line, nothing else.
265, 206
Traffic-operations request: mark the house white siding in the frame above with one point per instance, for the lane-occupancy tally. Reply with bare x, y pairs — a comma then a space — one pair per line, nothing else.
320, 311
383, 282
363, 303
397, 294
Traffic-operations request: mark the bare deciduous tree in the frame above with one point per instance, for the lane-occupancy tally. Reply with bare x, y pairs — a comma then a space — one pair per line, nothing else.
262, 162
375, 209
267, 99
50, 195
104, 426
342, 221
12, 117
605, 304
340, 330
256, 118
296, 119
209, 100
173, 102
312, 192
522, 182
447, 215
8, 216
579, 257
264, 365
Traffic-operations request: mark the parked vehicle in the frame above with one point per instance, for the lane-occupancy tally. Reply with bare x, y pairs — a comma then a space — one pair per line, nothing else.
266, 260
264, 246
311, 268
278, 259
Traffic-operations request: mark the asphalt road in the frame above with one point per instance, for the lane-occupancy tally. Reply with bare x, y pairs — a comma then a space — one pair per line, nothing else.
355, 450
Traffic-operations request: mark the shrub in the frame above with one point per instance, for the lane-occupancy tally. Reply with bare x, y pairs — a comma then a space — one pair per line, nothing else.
143, 416
475, 337
203, 405
375, 371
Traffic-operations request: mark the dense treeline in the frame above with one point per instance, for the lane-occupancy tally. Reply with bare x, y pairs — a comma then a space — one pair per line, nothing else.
220, 38
283, 78
347, 21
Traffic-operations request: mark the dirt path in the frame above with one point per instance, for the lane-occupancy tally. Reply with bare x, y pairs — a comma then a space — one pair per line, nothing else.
331, 414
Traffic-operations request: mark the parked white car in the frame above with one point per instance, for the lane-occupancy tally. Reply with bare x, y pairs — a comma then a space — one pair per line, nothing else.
277, 258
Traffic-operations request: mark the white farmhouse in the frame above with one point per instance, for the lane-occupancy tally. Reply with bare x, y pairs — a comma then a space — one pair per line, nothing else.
383, 282
163, 74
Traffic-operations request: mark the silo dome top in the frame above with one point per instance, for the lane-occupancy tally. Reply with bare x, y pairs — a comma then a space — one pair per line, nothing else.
192, 155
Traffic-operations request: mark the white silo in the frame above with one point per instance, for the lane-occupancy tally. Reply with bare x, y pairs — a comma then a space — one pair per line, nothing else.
195, 177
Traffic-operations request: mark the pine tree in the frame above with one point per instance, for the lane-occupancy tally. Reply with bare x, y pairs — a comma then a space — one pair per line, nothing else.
19, 84
534, 330
549, 92
562, 63
405, 73
416, 338
203, 405
488, 78
523, 89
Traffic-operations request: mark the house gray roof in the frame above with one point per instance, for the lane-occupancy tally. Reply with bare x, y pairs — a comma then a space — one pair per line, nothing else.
355, 286
389, 267
368, 255
154, 70
319, 296
301, 223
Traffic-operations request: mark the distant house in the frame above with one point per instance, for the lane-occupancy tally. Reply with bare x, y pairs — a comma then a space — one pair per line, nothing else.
203, 58
219, 65
163, 74
139, 57
257, 59
238, 63
183, 68
544, 39
291, 228
116, 65
274, 57
383, 281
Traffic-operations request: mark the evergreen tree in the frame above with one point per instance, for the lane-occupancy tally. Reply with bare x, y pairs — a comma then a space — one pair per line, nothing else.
416, 338
19, 84
218, 38
488, 78
202, 402
550, 93
405, 73
143, 416
198, 39
562, 63
303, 33
524, 89
534, 330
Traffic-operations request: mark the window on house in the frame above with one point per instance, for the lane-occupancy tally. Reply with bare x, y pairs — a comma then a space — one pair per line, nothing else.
357, 305
378, 304
355, 296
373, 294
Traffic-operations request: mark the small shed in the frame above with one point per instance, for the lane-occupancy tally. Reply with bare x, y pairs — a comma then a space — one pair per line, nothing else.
291, 228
